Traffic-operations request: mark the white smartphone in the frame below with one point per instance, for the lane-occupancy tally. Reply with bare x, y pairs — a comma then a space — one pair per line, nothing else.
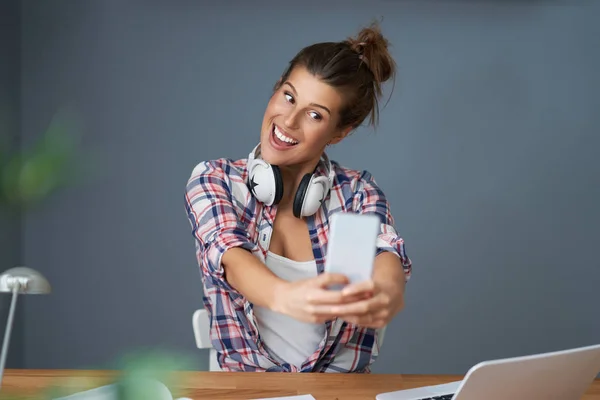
352, 245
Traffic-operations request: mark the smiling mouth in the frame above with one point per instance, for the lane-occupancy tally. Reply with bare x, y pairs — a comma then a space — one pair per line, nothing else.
282, 139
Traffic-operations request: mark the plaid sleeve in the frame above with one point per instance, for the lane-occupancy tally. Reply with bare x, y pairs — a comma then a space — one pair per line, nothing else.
369, 198
214, 221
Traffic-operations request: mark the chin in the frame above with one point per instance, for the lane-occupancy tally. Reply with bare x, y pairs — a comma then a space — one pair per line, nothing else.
273, 156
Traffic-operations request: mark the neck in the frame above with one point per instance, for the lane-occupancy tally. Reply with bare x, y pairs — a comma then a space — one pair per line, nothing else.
292, 176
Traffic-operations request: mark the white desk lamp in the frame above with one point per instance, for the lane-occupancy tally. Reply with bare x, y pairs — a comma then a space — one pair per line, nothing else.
23, 280
18, 280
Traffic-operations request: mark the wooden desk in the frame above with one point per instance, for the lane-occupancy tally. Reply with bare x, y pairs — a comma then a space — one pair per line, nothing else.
244, 386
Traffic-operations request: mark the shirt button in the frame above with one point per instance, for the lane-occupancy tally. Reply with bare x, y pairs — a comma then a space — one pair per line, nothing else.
315, 240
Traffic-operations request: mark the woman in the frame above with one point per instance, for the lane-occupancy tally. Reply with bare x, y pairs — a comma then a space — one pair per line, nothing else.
260, 223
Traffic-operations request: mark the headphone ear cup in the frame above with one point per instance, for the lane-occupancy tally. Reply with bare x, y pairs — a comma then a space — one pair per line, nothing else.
298, 206
278, 184
265, 182
316, 191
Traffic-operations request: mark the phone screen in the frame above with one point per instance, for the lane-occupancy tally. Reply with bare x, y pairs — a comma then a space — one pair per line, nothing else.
352, 245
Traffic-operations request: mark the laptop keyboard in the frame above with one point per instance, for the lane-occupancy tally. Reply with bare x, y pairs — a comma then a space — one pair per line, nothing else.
444, 397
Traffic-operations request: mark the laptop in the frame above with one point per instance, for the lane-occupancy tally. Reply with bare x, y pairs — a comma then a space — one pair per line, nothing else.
559, 375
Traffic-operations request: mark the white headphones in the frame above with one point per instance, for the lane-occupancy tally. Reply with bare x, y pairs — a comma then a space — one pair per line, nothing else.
265, 183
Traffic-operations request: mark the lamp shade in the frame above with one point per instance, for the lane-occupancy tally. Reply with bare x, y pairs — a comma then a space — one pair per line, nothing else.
29, 280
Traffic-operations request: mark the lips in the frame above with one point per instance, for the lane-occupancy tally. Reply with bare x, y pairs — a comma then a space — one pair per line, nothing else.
283, 137
281, 141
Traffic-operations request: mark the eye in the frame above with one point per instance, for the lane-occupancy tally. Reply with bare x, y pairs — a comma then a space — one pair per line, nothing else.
316, 116
288, 97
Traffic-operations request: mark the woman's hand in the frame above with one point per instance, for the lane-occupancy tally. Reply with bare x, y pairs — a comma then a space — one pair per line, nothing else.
310, 300
383, 295
381, 301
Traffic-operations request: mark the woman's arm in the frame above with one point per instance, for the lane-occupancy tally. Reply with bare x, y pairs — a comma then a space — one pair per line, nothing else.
224, 246
388, 270
251, 277
224, 253
307, 300
370, 199
392, 267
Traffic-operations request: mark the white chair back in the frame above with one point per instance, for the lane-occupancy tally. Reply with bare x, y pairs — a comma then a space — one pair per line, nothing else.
201, 325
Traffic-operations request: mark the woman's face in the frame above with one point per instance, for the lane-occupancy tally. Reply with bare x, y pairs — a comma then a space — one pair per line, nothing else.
300, 120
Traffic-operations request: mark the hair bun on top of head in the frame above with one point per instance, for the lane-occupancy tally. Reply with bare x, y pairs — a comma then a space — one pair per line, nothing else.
357, 66
372, 48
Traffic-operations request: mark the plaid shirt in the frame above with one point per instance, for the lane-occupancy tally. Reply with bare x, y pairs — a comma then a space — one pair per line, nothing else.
224, 214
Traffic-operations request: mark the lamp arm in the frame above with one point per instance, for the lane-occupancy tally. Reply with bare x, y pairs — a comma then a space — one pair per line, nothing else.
8, 330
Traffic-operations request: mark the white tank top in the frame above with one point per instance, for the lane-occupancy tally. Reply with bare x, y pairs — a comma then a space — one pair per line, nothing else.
291, 340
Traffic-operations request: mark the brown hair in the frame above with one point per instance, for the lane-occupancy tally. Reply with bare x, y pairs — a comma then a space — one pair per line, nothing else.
356, 66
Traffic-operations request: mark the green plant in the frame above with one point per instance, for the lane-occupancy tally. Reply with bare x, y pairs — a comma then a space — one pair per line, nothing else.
136, 378
30, 175
27, 177
141, 367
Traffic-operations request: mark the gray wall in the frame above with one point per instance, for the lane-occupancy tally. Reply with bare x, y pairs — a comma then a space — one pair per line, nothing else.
10, 220
487, 151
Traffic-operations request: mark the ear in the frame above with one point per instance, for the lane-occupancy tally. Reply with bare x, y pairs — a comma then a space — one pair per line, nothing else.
340, 135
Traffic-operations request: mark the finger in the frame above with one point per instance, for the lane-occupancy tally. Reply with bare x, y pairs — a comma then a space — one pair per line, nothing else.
355, 298
379, 302
320, 313
376, 319
333, 297
326, 279
357, 308
324, 297
360, 287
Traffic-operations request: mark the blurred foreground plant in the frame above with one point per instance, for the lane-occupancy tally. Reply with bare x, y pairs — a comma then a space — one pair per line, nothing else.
137, 378
28, 176
139, 369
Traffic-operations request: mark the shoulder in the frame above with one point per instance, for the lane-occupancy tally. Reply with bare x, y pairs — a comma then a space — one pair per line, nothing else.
221, 169
352, 180
357, 190
221, 178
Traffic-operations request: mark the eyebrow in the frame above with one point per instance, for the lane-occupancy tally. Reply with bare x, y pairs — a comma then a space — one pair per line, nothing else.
312, 104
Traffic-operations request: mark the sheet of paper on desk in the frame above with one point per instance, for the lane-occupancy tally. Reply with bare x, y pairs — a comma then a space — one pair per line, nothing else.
110, 392
300, 397
107, 392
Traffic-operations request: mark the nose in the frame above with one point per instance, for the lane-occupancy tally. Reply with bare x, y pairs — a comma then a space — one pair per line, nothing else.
291, 119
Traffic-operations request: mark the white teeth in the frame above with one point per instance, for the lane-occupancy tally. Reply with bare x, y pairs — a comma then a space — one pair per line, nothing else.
284, 138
